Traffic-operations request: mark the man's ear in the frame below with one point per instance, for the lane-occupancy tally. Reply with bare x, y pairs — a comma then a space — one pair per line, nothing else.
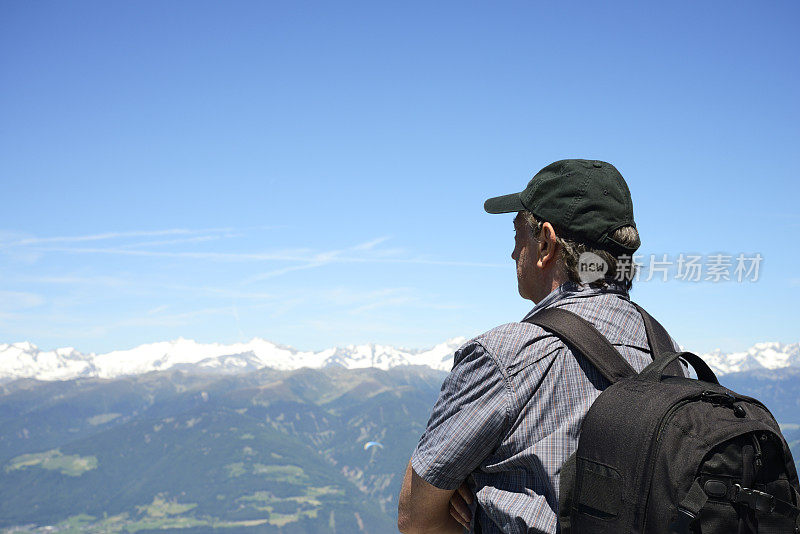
546, 245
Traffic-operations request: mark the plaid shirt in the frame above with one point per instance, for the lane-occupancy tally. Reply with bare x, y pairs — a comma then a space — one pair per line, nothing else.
509, 413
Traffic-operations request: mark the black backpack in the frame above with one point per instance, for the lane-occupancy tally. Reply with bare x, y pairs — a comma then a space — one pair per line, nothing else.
670, 454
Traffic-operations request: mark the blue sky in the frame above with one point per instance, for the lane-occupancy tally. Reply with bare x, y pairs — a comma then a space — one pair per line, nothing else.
313, 173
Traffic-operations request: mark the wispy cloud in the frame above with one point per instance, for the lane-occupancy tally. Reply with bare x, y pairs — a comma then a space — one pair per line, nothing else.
304, 258
206, 283
19, 300
75, 280
215, 256
221, 292
72, 328
198, 239
384, 303
369, 245
157, 309
394, 297
283, 308
307, 261
174, 319
278, 272
348, 296
112, 235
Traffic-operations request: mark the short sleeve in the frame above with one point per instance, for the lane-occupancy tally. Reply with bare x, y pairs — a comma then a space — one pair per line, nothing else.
468, 420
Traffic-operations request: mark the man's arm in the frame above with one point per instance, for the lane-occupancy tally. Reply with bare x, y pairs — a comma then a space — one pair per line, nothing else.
424, 508
467, 423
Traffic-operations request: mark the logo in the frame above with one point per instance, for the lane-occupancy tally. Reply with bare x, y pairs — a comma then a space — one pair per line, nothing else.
591, 267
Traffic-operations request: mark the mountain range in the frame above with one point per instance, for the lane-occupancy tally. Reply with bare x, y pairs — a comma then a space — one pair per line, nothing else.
258, 451
245, 438
25, 360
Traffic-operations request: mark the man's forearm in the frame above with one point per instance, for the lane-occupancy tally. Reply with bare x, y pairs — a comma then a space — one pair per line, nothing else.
423, 508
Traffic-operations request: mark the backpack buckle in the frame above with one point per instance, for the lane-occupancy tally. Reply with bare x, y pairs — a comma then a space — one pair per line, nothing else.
757, 500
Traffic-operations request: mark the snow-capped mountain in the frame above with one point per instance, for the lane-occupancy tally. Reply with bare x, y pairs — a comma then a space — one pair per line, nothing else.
768, 355
25, 360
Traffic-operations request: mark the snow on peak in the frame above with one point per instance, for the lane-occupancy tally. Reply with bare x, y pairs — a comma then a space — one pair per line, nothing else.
765, 355
25, 360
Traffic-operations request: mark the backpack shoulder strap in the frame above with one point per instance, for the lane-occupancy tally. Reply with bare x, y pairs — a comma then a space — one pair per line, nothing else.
582, 335
657, 336
659, 341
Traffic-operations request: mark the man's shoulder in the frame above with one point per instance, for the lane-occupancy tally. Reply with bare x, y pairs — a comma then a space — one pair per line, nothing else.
508, 342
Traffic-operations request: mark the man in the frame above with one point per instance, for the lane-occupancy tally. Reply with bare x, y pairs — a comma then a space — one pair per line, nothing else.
509, 413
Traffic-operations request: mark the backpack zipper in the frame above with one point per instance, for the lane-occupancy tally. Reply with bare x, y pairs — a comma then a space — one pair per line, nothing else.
757, 460
652, 461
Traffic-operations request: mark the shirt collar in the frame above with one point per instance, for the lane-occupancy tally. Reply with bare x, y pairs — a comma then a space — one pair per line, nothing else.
571, 289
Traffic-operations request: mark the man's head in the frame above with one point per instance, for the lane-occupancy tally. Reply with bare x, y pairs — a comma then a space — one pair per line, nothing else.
538, 258
569, 208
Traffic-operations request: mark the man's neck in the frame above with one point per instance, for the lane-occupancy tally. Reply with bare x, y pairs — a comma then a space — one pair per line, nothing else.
554, 284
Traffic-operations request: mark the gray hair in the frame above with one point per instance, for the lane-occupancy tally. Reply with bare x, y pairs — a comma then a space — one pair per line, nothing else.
571, 251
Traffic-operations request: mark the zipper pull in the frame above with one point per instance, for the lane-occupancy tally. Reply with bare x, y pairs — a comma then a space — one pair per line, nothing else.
757, 447
718, 399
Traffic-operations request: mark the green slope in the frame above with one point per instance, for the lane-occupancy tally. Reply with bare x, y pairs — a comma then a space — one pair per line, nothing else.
261, 452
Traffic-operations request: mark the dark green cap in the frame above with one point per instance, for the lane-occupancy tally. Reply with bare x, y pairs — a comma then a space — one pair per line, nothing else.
587, 199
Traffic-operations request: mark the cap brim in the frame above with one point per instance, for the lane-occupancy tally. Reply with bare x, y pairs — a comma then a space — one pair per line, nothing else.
504, 204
